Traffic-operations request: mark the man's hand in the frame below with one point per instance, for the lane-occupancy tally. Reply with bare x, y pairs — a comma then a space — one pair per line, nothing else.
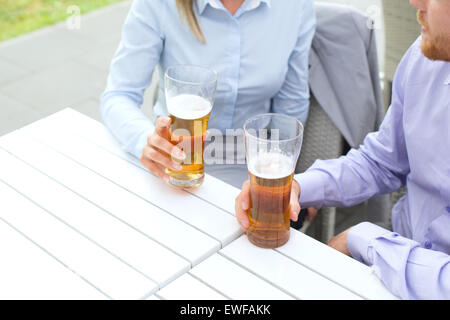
242, 204
339, 242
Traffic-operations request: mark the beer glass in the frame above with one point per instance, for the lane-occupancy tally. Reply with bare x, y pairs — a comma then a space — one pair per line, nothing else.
189, 92
272, 146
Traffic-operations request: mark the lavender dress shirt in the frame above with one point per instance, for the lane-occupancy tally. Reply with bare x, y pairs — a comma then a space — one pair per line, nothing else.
412, 148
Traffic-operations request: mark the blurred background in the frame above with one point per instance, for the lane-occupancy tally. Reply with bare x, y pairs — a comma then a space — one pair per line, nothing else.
56, 54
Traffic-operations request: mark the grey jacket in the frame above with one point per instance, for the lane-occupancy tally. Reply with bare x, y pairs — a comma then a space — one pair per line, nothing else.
344, 71
344, 79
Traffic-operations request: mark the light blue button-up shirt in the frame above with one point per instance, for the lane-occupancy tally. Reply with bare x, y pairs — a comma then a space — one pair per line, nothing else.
411, 148
260, 53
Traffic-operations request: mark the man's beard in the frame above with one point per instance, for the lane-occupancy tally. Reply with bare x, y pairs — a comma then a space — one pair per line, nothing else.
434, 47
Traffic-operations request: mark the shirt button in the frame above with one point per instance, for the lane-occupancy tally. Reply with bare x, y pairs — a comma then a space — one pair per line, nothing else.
428, 244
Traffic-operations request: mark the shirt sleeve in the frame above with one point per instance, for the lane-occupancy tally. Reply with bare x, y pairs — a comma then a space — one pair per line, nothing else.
131, 73
379, 166
293, 97
408, 270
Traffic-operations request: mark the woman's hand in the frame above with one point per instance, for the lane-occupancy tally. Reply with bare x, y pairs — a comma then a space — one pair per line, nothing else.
242, 204
157, 155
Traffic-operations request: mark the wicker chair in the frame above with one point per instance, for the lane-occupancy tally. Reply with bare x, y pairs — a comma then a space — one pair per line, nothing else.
321, 140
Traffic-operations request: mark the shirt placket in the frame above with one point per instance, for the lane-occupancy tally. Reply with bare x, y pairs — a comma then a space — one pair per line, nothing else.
234, 52
445, 188
446, 181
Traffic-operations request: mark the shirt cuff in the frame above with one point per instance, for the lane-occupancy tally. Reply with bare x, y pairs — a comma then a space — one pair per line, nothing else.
359, 240
312, 184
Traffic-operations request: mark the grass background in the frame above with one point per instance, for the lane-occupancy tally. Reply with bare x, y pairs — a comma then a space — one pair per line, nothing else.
21, 16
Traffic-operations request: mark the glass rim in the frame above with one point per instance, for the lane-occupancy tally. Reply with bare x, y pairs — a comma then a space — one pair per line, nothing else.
214, 72
247, 133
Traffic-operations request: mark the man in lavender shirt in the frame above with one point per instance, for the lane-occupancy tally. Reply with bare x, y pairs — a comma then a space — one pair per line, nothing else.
412, 149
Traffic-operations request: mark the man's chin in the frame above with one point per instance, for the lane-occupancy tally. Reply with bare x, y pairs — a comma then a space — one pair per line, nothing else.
433, 51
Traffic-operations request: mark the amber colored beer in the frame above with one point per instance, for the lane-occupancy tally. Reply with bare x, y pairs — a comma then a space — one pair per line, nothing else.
187, 132
269, 208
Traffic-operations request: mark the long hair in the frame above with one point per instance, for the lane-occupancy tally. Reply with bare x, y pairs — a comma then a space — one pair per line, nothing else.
186, 10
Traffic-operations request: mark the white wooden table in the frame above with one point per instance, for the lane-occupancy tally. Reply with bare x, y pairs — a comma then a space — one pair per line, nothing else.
81, 219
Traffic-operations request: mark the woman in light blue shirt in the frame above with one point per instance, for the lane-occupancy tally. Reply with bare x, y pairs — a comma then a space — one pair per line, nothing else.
259, 49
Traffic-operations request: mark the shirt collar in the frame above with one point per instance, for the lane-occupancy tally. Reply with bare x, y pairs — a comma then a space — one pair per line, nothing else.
202, 4
217, 4
255, 3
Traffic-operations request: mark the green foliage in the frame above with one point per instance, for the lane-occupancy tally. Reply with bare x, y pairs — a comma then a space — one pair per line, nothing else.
22, 16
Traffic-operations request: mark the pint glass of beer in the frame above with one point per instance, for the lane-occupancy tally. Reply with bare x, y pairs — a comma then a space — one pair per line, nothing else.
189, 92
272, 146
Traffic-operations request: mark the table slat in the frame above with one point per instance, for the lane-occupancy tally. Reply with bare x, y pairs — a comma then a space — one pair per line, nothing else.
234, 281
284, 273
28, 272
217, 192
123, 241
111, 276
206, 217
140, 214
189, 288
71, 121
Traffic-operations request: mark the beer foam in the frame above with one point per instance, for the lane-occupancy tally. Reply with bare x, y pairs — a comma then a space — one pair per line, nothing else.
188, 106
270, 165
